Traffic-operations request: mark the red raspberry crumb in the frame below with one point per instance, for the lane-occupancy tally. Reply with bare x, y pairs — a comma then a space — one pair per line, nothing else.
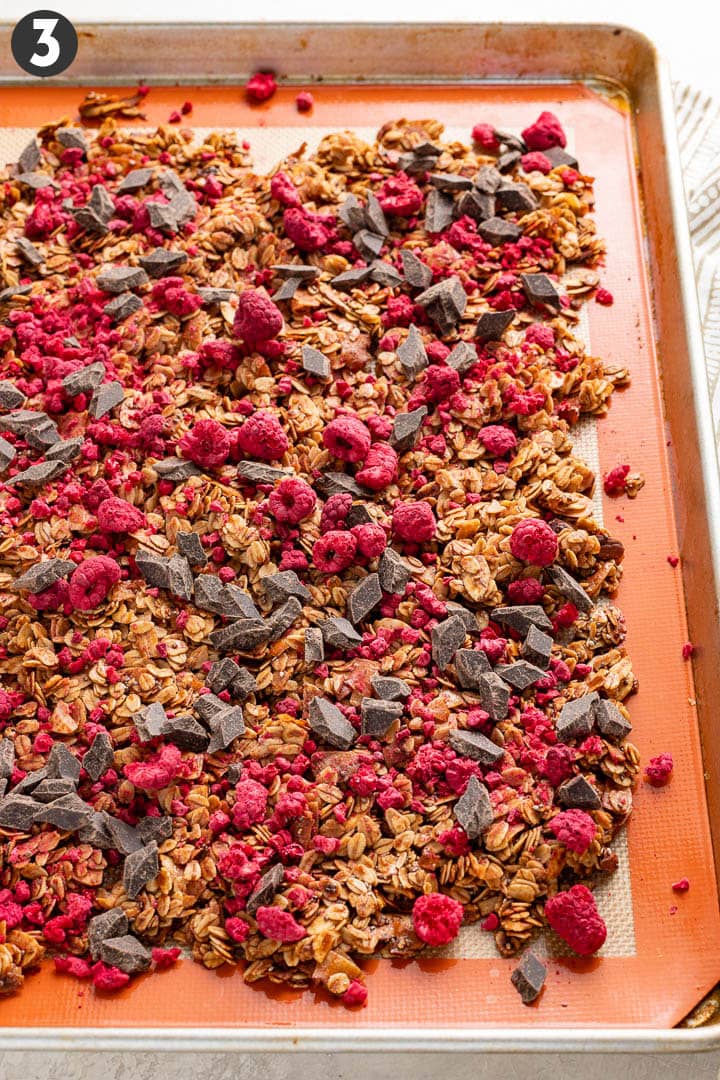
250, 803
687, 650
165, 958
92, 581
400, 195
292, 500
256, 318
659, 770
261, 436
334, 552
283, 189
334, 512
308, 232
673, 560
413, 522
174, 117
371, 539
534, 542
380, 468
544, 133
262, 86
575, 918
497, 439
356, 993
108, 978
604, 297
483, 135
566, 615
540, 334
347, 438
681, 886
440, 383
525, 591
238, 929
279, 925
73, 965
614, 481
304, 101
187, 107
575, 829
156, 773
207, 444
399, 311
115, 515
437, 918
536, 161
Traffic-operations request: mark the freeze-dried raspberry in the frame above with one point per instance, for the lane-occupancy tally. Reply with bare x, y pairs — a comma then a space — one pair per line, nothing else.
557, 764
575, 829
659, 770
279, 925
544, 133
540, 334
157, 772
399, 311
400, 195
304, 101
293, 560
207, 444
347, 438
308, 231
437, 918
575, 918
334, 552
687, 650
483, 135
165, 958
440, 383
51, 599
115, 515
356, 993
334, 512
615, 482
250, 803
257, 318
261, 86
237, 929
536, 161
371, 539
292, 500
534, 542
566, 615
236, 865
73, 965
283, 189
108, 978
92, 581
413, 522
604, 297
681, 886
525, 591
261, 436
171, 294
498, 439
380, 468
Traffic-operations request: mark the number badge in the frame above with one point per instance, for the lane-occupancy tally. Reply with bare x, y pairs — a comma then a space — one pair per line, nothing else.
44, 43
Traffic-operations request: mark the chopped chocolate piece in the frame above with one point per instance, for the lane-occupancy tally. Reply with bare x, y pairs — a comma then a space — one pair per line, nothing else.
210, 294
557, 156
234, 772
96, 832
190, 547
283, 584
377, 716
150, 721
221, 674
467, 616
49, 790
226, 726
140, 869
134, 180
287, 290
243, 685
186, 734
447, 637
208, 706
385, 274
462, 357
537, 647
100, 757
315, 363
476, 746
243, 636
375, 216
494, 695
610, 721
162, 262
155, 828
470, 665
528, 978
126, 953
520, 674
154, 569
7, 758
35, 180
23, 421
477, 205
68, 813
488, 179
417, 274
473, 811
492, 325
180, 578
182, 202
123, 306
14, 290
43, 436
389, 688
84, 379
266, 889
497, 231
30, 157
235, 603
412, 354
508, 161
72, 342
106, 398
210, 595
358, 514
366, 595
368, 244
314, 645
72, 137
66, 450
352, 213
44, 574
261, 474
37, 476
521, 617
350, 279
110, 924
511, 142
540, 290
62, 764
568, 587
445, 302
176, 469
576, 718
394, 574
31, 781
339, 633
283, 617
10, 396
406, 429
125, 838
578, 793
439, 211
8, 453
452, 182
516, 198
28, 253
338, 483
296, 270
118, 279
17, 812
326, 720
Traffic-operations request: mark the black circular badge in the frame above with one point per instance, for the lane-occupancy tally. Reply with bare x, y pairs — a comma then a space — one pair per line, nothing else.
44, 43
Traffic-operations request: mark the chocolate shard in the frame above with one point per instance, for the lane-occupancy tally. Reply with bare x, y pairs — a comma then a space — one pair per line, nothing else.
393, 572
49, 790
176, 469
37, 476
125, 838
296, 270
445, 303
447, 637
352, 213
611, 723
7, 758
35, 180
211, 294
473, 811
368, 244
256, 473
521, 617
537, 647
406, 429
243, 636
84, 379
109, 924
315, 363
494, 695
190, 547
140, 869
488, 179
150, 721
358, 514
29, 782
351, 279
235, 603
477, 205
155, 828
30, 157
314, 652
412, 354
8, 453
180, 578
509, 141
226, 726
283, 584
266, 889
162, 262
209, 595
492, 325
44, 574
339, 633
118, 279
416, 273
452, 182
10, 396
385, 274
106, 398
576, 718
518, 198
520, 674
470, 665
568, 587
287, 290
338, 483
126, 953
578, 793
540, 290
366, 595
43, 436
185, 733
467, 616
375, 216
377, 716
23, 421
475, 746
68, 813
17, 812
528, 978
182, 203
66, 450
154, 568
221, 674
439, 211
100, 756
506, 162
390, 688
28, 252
134, 181
497, 231
62, 764
208, 706
243, 685
96, 832
124, 305
283, 618
462, 357
557, 156
329, 724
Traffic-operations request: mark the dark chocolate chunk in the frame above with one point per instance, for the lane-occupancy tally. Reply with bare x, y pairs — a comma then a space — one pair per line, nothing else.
445, 302
256, 473
406, 429
243, 685
140, 869
125, 838
520, 674
314, 363
226, 726
394, 574
266, 889
210, 595
66, 450
568, 587
412, 354
462, 357
109, 924
439, 211
358, 514
155, 828
283, 618
180, 578
84, 379
287, 290
576, 718
473, 811
477, 205
488, 179
118, 279
492, 325
123, 306
37, 476
540, 290
17, 812
182, 203
521, 617
352, 213
30, 157
23, 421
385, 274
314, 652
528, 978
150, 721
351, 279
134, 180
296, 270
68, 813
208, 706
62, 764
326, 720
71, 342
14, 290
447, 637
243, 635
537, 647
610, 721
494, 695
8, 453
417, 274
375, 216
100, 757
44, 574
210, 294
126, 953
578, 793
186, 734
49, 790
368, 244
154, 568
101, 204
339, 633
338, 483
221, 674
389, 688
96, 832
452, 182
162, 261
476, 746
283, 584
176, 469
506, 162
366, 595
497, 231
10, 396
29, 782
43, 436
190, 547
7, 758
28, 252
517, 198
72, 137
106, 398
470, 665
508, 141
557, 156
377, 716
467, 616
35, 180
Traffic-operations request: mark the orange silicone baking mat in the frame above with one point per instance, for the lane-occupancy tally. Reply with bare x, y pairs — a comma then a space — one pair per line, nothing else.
669, 956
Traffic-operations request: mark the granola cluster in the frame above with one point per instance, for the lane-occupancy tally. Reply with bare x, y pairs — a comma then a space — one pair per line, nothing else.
301, 647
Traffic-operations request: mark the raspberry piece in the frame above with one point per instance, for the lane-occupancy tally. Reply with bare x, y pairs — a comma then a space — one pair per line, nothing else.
207, 444
497, 439
371, 539
50, 599
304, 101
400, 195
614, 482
440, 383
399, 311
283, 189
256, 318
293, 560
238, 929
115, 515
687, 650
108, 978
604, 297
544, 133
347, 438
250, 804
525, 591
156, 773
308, 232
575, 829
334, 552
681, 886
92, 581
536, 161
534, 542
539, 334
73, 965
437, 918
659, 770
483, 135
261, 436
380, 468
261, 86
334, 512
165, 958
292, 500
557, 764
279, 925
356, 993
414, 522
171, 294
575, 918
